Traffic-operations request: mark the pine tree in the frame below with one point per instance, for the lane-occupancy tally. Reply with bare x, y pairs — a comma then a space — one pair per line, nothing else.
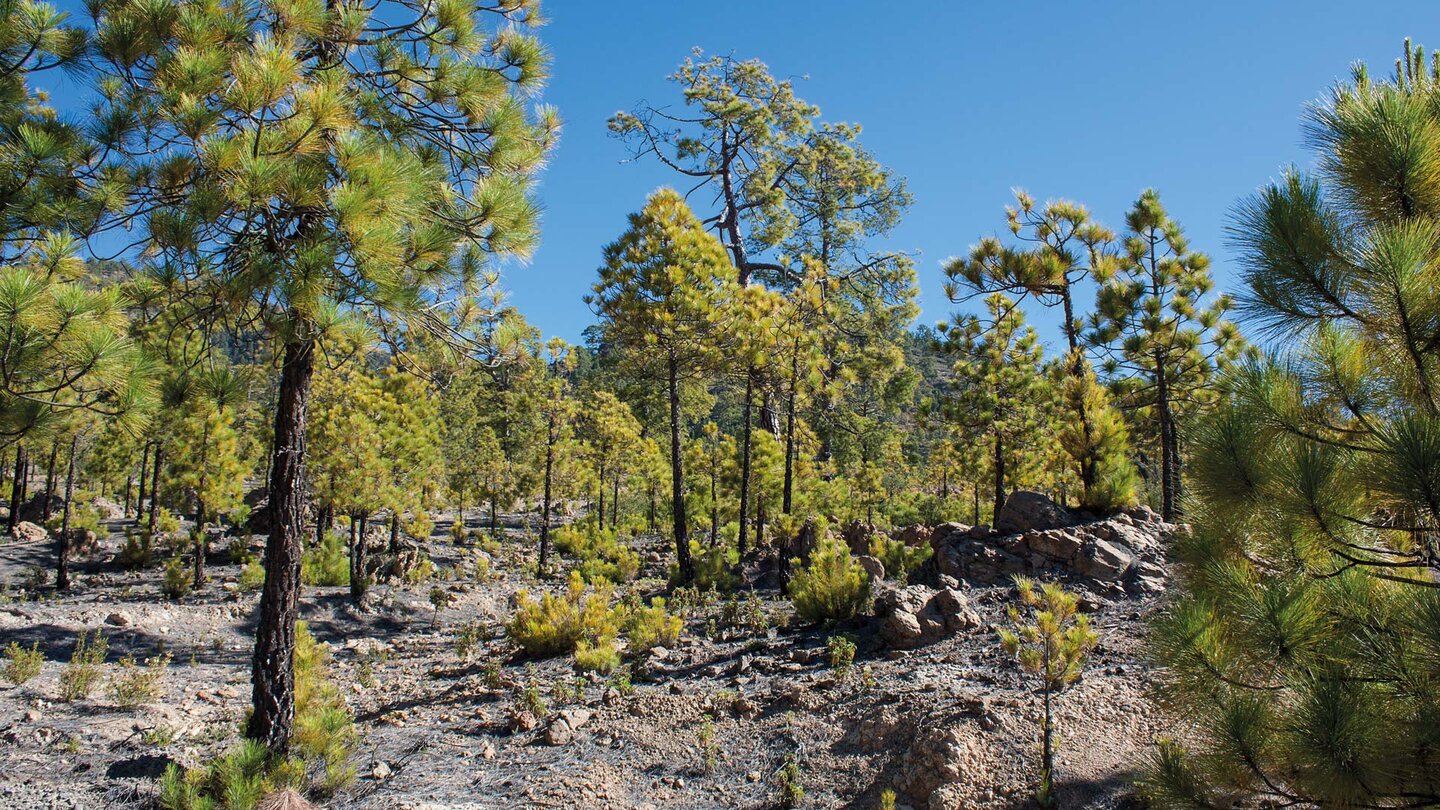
998, 389
205, 461
612, 434
1108, 478
1303, 644
667, 301
1061, 246
382, 150
1163, 335
1050, 639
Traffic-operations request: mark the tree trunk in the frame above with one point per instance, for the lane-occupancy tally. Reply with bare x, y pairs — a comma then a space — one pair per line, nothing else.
677, 481
545, 500
155, 486
1169, 447
144, 478
62, 565
49, 484
129, 489
787, 502
200, 543
714, 507
273, 669
745, 464
976, 493
359, 583
600, 485
17, 489
395, 531
494, 516
615, 504
999, 478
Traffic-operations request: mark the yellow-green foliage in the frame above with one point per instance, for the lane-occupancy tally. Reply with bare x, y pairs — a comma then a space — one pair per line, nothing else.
601, 553
133, 684
597, 656
80, 675
714, 566
899, 559
21, 664
1099, 443
177, 580
558, 622
651, 627
327, 564
833, 587
138, 551
243, 776
252, 576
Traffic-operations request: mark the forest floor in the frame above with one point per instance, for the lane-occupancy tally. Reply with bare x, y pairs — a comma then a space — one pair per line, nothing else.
709, 723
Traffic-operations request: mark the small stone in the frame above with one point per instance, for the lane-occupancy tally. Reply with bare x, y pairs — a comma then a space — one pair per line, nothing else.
380, 772
118, 619
752, 776
488, 751
32, 716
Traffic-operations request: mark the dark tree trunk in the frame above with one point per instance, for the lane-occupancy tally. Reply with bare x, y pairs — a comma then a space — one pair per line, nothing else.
615, 504
129, 489
714, 507
49, 484
976, 492
394, 531
17, 489
359, 582
494, 517
200, 543
600, 485
155, 486
788, 498
999, 478
545, 499
745, 463
62, 559
677, 481
273, 669
144, 478
1169, 445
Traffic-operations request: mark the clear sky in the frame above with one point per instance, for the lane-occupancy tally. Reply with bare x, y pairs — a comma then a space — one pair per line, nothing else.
1093, 101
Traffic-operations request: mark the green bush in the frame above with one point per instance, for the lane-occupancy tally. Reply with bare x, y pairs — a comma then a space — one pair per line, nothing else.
651, 627
138, 550
319, 760
899, 559
252, 576
178, 579
134, 684
714, 567
79, 677
601, 553
833, 587
597, 656
558, 622
21, 664
328, 563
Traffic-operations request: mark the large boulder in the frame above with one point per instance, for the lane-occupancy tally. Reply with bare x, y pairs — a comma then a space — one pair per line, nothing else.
25, 531
914, 616
1030, 511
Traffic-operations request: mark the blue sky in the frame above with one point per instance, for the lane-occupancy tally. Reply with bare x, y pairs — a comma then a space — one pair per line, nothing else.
1090, 101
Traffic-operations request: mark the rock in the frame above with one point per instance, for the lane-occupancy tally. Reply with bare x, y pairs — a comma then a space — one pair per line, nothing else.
1104, 561
915, 536
27, 532
32, 716
915, 615
567, 721
109, 510
1031, 511
119, 619
873, 566
380, 772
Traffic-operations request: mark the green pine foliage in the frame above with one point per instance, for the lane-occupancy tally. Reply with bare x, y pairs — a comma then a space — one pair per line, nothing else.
1303, 643
558, 622
832, 586
1097, 440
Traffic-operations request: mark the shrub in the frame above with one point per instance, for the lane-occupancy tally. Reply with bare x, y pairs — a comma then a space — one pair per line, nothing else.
319, 752
601, 553
134, 684
78, 679
467, 638
252, 577
177, 579
714, 567
833, 587
21, 664
899, 559
840, 651
138, 550
787, 783
326, 563
597, 656
238, 550
558, 622
651, 627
